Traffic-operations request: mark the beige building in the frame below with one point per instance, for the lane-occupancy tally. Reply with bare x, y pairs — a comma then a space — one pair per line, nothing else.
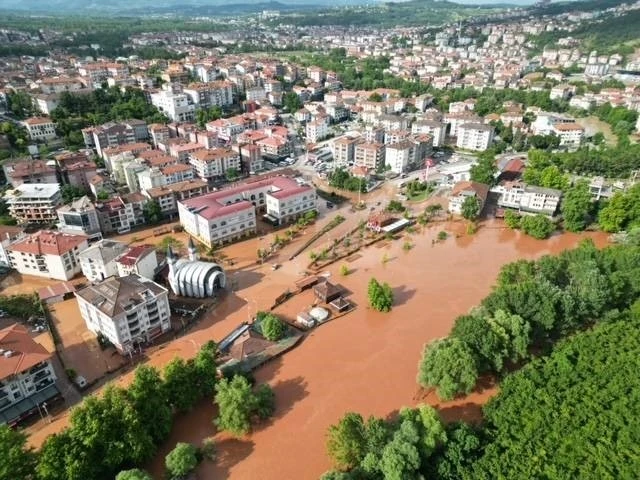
48, 254
34, 203
129, 311
40, 129
369, 155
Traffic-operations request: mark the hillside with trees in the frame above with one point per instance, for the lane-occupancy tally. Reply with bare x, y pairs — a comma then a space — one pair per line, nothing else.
570, 412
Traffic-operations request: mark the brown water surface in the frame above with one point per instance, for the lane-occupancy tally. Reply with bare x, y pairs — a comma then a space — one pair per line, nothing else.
365, 361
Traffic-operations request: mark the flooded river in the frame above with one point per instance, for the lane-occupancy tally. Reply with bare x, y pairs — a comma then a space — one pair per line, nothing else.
365, 361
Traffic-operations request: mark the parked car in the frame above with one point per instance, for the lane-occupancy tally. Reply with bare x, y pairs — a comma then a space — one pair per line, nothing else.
329, 205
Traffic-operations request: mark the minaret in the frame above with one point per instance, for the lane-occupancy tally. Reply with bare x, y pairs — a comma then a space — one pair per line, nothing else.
193, 251
171, 261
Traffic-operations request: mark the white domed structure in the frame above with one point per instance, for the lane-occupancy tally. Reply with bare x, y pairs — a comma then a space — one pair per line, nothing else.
192, 277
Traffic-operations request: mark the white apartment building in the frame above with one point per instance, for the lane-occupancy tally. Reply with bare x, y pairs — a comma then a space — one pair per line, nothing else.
176, 106
48, 254
474, 136
437, 130
214, 163
458, 119
27, 378
528, 198
99, 260
80, 218
369, 155
231, 213
205, 95
34, 203
129, 311
406, 155
570, 134
8, 235
141, 260
463, 190
316, 131
40, 128
256, 94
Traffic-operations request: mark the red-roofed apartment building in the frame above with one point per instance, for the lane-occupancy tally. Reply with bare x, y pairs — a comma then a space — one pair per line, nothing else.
27, 378
48, 254
140, 259
229, 214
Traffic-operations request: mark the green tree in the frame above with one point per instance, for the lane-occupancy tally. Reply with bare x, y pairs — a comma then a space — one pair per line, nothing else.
103, 195
134, 474
347, 441
232, 174
471, 208
462, 449
149, 396
152, 212
512, 219
448, 364
237, 404
265, 401
400, 458
181, 384
181, 461
538, 226
485, 170
272, 327
169, 241
576, 207
71, 192
18, 461
206, 370
380, 296
291, 102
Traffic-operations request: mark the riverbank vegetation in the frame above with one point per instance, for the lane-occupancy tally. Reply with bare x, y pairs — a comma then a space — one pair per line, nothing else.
574, 403
123, 427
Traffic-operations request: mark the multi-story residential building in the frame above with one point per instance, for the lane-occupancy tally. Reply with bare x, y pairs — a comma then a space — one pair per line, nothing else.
99, 260
81, 218
176, 106
8, 235
256, 94
60, 84
121, 213
250, 157
230, 214
158, 133
528, 198
76, 169
457, 119
48, 254
23, 171
407, 154
116, 158
168, 196
344, 150
570, 134
475, 136
463, 190
374, 134
34, 203
212, 164
205, 95
316, 130
113, 134
27, 377
140, 260
274, 146
40, 129
369, 155
437, 130
129, 311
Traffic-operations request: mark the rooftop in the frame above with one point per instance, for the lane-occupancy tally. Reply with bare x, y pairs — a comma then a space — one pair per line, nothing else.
115, 295
103, 251
135, 254
25, 352
47, 242
80, 205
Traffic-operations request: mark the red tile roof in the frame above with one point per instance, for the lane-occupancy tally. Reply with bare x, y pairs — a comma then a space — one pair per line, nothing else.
135, 254
26, 352
46, 242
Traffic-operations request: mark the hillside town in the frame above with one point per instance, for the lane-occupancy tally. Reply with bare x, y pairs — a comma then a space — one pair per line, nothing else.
151, 205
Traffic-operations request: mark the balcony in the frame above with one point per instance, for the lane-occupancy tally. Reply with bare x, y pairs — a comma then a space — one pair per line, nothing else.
40, 375
44, 384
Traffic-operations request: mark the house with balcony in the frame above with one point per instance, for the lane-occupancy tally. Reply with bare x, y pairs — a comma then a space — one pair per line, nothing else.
27, 377
129, 311
34, 203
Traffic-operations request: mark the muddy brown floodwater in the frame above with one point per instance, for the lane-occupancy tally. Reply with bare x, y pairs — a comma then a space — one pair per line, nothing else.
365, 361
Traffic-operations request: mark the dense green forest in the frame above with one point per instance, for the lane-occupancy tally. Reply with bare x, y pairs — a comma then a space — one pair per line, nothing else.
571, 412
609, 35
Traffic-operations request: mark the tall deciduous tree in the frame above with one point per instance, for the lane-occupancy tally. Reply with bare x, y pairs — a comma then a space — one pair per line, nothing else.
151, 402
448, 364
380, 296
471, 208
347, 441
181, 384
576, 207
238, 403
17, 461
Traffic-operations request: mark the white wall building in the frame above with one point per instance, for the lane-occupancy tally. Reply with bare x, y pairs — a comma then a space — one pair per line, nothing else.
34, 203
316, 131
40, 128
141, 260
475, 136
128, 311
27, 377
437, 130
176, 106
8, 235
48, 254
570, 134
80, 217
528, 198
99, 260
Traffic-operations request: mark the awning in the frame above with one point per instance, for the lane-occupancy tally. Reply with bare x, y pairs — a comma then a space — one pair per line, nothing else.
17, 410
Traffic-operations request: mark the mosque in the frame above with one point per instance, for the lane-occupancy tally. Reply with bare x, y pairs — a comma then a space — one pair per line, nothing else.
193, 277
